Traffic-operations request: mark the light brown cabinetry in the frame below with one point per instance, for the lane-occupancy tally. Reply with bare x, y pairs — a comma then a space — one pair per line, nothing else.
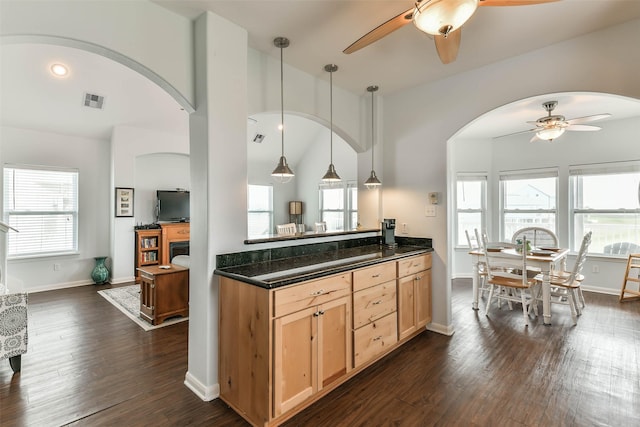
147, 249
282, 349
311, 339
374, 311
414, 294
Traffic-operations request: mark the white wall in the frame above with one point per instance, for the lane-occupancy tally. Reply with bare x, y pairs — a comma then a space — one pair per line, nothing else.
157, 171
148, 38
419, 122
91, 158
128, 144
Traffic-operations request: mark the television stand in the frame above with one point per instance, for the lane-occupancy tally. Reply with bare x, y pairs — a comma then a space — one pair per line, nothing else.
171, 233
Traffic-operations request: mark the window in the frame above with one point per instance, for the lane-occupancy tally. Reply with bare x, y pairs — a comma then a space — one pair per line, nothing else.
528, 199
260, 210
471, 202
605, 200
339, 206
42, 204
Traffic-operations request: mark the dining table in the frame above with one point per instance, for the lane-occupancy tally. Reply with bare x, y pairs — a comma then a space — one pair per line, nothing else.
545, 260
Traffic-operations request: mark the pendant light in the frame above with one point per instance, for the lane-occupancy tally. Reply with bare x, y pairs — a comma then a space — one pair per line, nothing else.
373, 180
331, 176
282, 173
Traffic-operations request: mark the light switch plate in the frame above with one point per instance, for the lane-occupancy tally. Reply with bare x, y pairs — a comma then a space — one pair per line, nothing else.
430, 210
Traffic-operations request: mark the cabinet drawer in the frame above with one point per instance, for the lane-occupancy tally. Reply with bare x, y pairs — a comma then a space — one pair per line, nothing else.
414, 264
374, 339
370, 276
308, 294
373, 303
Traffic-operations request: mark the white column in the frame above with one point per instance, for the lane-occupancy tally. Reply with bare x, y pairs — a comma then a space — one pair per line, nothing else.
218, 184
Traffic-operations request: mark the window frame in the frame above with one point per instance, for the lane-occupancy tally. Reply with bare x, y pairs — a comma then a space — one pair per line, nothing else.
483, 178
575, 193
349, 193
74, 174
522, 175
270, 211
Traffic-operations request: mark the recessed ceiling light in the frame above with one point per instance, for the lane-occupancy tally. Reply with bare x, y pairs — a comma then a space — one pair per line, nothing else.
59, 70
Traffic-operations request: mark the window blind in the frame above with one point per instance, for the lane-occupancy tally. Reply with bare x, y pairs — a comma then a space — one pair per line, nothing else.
42, 204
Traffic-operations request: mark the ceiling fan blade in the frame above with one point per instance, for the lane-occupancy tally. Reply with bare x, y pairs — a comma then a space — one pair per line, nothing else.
516, 133
587, 119
586, 128
447, 47
512, 2
380, 31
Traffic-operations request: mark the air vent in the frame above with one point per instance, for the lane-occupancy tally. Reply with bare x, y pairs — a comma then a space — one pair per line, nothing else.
93, 101
258, 138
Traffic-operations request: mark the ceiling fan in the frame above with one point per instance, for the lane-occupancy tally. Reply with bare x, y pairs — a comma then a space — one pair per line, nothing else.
552, 126
441, 18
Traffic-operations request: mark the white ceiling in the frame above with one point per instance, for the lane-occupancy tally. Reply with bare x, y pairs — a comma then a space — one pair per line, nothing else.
319, 30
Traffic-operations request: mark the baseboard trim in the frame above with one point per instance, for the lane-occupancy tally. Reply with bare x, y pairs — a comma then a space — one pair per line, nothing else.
447, 330
600, 290
58, 286
203, 392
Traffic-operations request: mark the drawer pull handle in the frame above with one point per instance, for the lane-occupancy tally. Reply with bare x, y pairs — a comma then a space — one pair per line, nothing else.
318, 313
376, 275
318, 292
377, 302
378, 338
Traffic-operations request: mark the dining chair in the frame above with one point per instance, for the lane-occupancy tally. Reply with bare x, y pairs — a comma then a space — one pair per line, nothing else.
537, 236
286, 229
509, 276
566, 286
474, 245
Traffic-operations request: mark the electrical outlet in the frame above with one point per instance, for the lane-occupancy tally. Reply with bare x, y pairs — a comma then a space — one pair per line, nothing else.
405, 228
56, 267
430, 210
595, 269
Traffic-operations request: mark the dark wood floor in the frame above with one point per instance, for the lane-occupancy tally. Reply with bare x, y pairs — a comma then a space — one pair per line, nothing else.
88, 364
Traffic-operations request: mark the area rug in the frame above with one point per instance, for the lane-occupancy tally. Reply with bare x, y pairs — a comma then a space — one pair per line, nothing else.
127, 300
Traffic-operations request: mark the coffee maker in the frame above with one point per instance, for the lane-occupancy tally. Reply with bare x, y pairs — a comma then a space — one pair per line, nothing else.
388, 232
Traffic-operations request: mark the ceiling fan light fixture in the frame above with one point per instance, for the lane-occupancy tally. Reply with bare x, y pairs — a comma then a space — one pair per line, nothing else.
440, 17
550, 133
282, 173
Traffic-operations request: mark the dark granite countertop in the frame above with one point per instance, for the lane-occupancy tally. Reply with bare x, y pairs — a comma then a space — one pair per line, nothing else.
281, 272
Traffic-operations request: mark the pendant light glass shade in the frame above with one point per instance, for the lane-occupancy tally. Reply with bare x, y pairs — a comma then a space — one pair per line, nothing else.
282, 173
440, 17
373, 181
331, 176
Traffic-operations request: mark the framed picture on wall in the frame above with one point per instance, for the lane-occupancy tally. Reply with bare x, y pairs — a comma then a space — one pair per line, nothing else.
124, 202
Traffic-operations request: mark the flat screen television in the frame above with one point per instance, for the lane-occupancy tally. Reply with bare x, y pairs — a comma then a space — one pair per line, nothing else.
173, 205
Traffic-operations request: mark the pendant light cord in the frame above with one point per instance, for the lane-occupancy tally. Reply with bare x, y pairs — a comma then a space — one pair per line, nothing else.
331, 115
281, 101
372, 134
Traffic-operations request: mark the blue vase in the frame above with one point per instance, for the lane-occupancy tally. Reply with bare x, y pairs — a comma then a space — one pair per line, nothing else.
100, 273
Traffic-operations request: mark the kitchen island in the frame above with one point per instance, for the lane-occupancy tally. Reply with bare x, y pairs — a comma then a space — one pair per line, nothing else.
292, 328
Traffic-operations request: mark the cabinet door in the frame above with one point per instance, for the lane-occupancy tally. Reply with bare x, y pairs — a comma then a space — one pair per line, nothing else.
295, 359
423, 298
406, 306
334, 345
